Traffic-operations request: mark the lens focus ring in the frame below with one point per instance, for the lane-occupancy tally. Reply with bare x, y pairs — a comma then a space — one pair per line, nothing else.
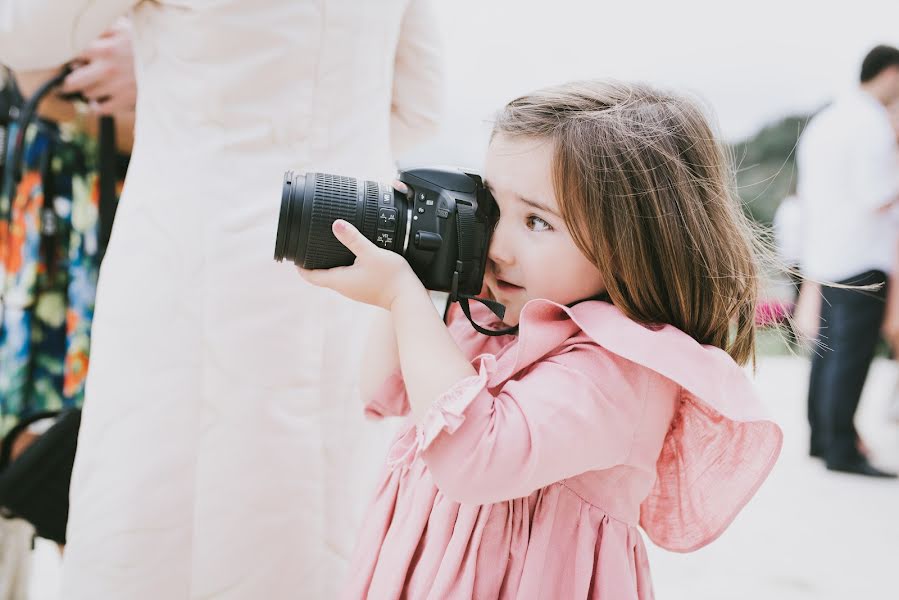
335, 197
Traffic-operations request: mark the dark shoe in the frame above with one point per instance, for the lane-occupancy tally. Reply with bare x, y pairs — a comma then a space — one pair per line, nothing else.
815, 447
859, 466
816, 451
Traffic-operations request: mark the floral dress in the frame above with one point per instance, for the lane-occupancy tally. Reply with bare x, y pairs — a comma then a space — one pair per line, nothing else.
49, 264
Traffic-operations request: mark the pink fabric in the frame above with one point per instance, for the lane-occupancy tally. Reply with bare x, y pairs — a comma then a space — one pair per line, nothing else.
529, 479
772, 312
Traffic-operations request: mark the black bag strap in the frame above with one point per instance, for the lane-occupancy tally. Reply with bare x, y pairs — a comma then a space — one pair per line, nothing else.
26, 117
108, 179
107, 155
11, 102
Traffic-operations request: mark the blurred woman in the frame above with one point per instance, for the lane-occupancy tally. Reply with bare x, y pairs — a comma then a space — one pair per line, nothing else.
222, 453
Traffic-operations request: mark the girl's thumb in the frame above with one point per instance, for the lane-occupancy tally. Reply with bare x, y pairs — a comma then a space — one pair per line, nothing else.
349, 236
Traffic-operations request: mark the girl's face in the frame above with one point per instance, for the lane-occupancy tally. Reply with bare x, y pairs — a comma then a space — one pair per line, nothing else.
532, 254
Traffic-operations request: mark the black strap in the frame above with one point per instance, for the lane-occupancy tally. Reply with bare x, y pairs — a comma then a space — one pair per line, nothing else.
108, 178
26, 116
107, 159
465, 258
11, 102
466, 310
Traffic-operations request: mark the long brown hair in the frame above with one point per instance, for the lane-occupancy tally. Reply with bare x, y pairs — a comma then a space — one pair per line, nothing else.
649, 197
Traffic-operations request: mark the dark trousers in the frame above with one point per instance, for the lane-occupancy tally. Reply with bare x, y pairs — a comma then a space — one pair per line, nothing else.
849, 331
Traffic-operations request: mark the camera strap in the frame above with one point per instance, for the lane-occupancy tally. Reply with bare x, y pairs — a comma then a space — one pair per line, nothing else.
495, 307
498, 309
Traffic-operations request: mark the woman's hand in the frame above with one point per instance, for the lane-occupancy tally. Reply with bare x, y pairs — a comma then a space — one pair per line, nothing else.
105, 75
378, 277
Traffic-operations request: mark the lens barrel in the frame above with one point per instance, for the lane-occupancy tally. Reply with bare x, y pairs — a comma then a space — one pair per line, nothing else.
309, 206
289, 217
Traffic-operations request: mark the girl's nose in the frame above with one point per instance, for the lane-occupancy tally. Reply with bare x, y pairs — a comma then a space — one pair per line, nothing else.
500, 247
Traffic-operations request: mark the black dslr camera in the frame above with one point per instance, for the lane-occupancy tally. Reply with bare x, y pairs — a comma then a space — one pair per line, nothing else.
442, 227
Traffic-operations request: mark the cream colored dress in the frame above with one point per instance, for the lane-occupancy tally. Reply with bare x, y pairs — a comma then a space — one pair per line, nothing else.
223, 452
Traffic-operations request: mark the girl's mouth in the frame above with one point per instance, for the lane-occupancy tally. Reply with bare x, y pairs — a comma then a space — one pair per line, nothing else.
505, 286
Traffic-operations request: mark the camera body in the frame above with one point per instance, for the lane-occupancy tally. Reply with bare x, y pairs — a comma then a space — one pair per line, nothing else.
442, 227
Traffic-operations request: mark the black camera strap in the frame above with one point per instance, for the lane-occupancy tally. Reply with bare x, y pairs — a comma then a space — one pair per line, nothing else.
495, 307
466, 310
466, 253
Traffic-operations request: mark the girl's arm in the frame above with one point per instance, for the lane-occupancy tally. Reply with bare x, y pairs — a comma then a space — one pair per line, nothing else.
431, 361
380, 358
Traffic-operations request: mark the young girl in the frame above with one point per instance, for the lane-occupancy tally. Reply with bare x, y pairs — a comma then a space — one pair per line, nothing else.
529, 460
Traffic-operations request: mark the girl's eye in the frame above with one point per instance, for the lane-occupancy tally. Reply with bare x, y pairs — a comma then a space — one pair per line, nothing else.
535, 223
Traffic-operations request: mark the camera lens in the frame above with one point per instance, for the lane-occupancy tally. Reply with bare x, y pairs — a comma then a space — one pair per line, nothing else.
290, 210
441, 223
309, 206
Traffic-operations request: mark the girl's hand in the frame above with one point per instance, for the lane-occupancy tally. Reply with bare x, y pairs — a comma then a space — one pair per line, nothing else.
378, 277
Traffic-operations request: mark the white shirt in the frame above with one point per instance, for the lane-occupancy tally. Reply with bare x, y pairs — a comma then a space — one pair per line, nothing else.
848, 170
788, 231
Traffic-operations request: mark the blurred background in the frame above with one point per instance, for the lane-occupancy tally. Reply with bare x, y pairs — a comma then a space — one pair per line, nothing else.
762, 68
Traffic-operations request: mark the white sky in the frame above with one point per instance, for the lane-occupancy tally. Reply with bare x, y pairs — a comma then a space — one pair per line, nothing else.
751, 61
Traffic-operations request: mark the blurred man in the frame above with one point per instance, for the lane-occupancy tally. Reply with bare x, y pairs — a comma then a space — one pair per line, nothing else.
848, 184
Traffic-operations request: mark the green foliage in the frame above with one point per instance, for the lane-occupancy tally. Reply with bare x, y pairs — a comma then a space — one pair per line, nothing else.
766, 167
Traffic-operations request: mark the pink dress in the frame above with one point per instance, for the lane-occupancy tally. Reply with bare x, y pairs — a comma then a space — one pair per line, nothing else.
530, 479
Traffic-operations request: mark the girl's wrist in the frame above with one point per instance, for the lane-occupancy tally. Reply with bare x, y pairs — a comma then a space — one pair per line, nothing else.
410, 293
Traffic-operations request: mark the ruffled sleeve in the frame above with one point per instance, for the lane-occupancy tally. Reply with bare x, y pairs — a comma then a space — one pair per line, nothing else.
710, 466
495, 437
448, 412
721, 445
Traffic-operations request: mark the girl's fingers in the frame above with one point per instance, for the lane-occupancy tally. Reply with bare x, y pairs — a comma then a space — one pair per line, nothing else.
310, 276
350, 237
335, 278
